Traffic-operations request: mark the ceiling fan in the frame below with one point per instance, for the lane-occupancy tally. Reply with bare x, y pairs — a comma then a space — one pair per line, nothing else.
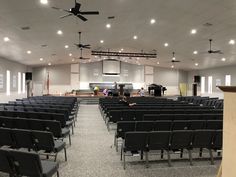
80, 45
81, 55
213, 51
173, 60
76, 12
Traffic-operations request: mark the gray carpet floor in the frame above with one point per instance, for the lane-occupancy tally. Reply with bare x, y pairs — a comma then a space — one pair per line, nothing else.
92, 155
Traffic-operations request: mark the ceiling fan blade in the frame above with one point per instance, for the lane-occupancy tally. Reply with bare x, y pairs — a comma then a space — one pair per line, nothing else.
82, 18
90, 13
175, 61
217, 51
56, 8
64, 16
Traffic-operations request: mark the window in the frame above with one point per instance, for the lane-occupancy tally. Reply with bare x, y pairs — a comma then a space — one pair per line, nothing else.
8, 84
23, 83
19, 82
228, 80
210, 84
202, 84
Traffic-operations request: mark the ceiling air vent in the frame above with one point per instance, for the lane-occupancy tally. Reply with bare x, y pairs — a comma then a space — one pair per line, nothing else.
25, 28
208, 24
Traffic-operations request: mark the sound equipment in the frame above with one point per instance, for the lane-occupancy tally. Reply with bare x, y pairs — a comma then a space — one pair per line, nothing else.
28, 76
197, 79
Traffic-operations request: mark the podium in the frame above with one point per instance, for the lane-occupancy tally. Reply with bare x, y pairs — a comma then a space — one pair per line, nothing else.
121, 89
229, 133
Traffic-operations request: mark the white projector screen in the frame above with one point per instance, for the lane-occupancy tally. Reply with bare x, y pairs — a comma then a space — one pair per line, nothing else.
111, 67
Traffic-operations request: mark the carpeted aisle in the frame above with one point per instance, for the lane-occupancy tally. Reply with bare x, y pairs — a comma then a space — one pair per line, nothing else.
91, 155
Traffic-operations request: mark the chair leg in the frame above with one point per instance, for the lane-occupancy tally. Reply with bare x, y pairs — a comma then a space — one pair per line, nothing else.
169, 160
65, 153
162, 154
146, 158
124, 160
121, 153
211, 156
142, 155
181, 153
58, 174
200, 152
69, 139
55, 159
72, 128
190, 156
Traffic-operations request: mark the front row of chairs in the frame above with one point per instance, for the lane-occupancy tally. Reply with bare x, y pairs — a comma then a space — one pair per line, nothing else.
19, 163
32, 140
179, 140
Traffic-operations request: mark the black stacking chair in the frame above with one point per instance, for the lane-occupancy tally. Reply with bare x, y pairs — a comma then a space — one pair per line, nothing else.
134, 142
180, 140
159, 141
203, 139
29, 164
180, 125
21, 123
22, 139
197, 124
144, 126
5, 137
6, 122
5, 165
162, 125
122, 128
44, 141
55, 128
217, 141
214, 124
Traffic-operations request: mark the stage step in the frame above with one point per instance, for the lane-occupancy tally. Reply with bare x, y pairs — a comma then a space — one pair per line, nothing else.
89, 100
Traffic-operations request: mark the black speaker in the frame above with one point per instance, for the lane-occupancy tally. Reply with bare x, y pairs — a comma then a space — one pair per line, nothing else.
197, 79
28, 76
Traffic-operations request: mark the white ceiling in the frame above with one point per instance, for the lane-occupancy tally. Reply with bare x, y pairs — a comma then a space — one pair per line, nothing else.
174, 21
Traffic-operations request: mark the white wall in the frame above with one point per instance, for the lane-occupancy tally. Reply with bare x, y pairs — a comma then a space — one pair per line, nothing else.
14, 68
217, 73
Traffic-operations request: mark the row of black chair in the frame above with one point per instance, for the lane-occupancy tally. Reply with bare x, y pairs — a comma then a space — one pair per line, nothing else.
138, 115
127, 126
39, 115
171, 141
18, 163
36, 124
32, 140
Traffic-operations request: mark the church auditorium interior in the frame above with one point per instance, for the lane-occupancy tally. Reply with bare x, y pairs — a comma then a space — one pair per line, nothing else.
126, 88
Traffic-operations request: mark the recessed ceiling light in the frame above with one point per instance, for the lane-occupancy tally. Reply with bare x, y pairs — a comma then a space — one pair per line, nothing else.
101, 41
158, 62
173, 58
172, 66
41, 59
29, 52
122, 49
135, 37
223, 59
232, 42
195, 52
166, 44
66, 46
49, 64
196, 64
119, 51
95, 56
44, 1
73, 59
152, 21
6, 39
59, 32
108, 26
193, 31
70, 54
